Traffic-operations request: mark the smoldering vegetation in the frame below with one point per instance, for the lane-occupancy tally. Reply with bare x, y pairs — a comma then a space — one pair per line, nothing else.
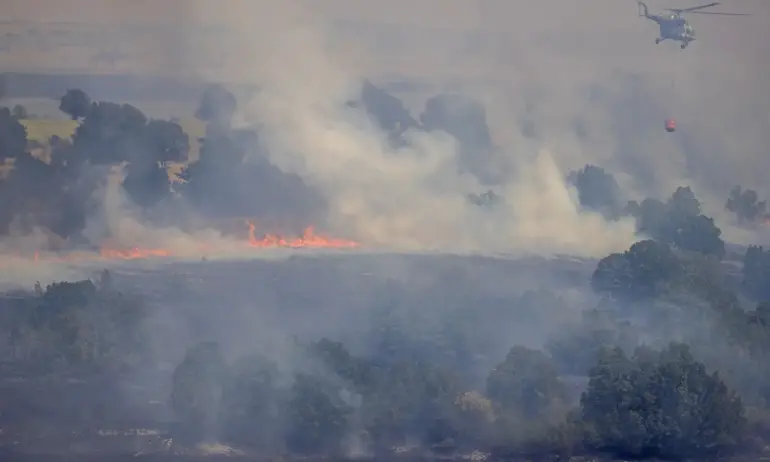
654, 352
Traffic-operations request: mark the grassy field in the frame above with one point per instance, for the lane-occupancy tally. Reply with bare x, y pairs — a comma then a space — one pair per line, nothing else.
41, 130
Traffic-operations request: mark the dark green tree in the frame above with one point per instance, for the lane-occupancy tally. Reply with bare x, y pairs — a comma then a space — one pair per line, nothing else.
660, 404
643, 271
756, 272
147, 183
252, 401
217, 105
699, 234
13, 136
683, 203
409, 399
527, 385
317, 416
196, 394
577, 348
387, 111
465, 119
75, 103
20, 112
597, 190
745, 204
679, 222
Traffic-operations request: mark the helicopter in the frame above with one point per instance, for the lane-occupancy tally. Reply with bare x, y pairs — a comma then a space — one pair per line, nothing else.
674, 27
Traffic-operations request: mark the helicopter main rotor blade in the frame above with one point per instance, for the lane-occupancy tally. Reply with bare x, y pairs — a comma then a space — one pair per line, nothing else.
722, 14
687, 10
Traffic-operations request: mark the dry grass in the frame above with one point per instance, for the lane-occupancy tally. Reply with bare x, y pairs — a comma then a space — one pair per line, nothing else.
195, 129
41, 130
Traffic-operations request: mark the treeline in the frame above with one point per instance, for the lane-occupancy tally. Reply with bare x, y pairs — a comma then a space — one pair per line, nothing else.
58, 194
634, 405
233, 176
599, 191
404, 390
673, 361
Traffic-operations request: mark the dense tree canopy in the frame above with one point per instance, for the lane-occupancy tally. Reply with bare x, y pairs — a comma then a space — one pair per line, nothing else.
678, 222
660, 404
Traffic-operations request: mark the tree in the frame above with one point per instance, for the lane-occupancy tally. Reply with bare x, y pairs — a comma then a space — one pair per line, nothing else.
20, 112
147, 183
474, 418
642, 271
197, 391
699, 234
487, 199
217, 105
318, 417
13, 136
388, 111
577, 348
338, 359
466, 121
167, 141
651, 218
110, 134
684, 203
679, 222
223, 183
756, 272
87, 328
660, 404
252, 403
597, 190
461, 117
409, 400
745, 204
526, 385
75, 103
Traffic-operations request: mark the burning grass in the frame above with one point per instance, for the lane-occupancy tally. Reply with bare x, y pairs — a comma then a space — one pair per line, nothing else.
254, 242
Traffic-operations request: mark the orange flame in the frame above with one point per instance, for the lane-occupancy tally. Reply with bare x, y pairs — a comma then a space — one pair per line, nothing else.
133, 253
308, 239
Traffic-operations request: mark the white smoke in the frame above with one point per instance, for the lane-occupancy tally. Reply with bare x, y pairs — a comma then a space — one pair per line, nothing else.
411, 198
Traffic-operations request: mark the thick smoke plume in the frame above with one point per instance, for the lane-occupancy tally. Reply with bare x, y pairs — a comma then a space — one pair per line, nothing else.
409, 197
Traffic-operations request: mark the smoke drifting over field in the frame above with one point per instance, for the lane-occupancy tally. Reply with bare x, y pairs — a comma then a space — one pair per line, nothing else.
412, 196
552, 108
553, 99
